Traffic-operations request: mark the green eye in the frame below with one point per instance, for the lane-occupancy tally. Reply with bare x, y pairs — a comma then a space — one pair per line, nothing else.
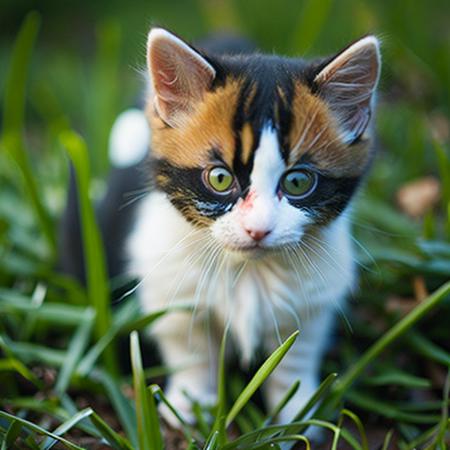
220, 179
298, 183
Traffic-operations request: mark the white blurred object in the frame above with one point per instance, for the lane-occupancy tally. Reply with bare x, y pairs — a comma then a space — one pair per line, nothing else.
129, 139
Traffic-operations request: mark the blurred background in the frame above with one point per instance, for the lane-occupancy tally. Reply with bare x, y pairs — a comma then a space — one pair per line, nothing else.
81, 64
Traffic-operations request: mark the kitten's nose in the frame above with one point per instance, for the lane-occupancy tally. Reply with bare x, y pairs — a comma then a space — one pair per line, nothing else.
257, 235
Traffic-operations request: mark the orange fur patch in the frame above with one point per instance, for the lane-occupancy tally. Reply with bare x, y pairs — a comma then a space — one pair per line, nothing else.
247, 139
315, 130
209, 126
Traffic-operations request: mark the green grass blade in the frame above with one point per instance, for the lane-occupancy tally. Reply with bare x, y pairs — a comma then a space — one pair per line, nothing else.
96, 275
219, 424
13, 120
124, 315
386, 409
213, 442
11, 435
444, 169
357, 421
444, 423
57, 313
75, 350
65, 427
149, 433
115, 440
282, 403
272, 443
260, 376
27, 352
387, 440
12, 363
157, 392
122, 406
317, 396
344, 382
399, 378
148, 319
39, 430
14, 99
427, 348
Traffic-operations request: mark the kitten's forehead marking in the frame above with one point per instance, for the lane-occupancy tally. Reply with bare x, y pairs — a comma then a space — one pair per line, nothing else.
268, 164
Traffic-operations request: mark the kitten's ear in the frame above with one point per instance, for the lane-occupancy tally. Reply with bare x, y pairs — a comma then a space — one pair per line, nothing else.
179, 75
348, 83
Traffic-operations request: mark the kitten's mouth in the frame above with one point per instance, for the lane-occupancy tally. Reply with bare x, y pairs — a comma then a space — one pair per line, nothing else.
256, 250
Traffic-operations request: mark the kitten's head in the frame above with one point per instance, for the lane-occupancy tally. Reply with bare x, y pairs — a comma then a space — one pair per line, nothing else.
259, 148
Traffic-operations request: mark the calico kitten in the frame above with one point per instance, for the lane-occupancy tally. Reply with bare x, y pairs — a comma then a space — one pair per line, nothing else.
254, 160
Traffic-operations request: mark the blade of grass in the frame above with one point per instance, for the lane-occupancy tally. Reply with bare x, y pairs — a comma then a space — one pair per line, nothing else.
282, 403
123, 315
39, 430
219, 426
159, 394
356, 420
386, 409
28, 352
11, 435
96, 276
115, 440
149, 433
65, 427
58, 313
13, 363
317, 396
123, 408
427, 348
444, 421
148, 319
74, 351
213, 442
13, 120
387, 440
260, 376
396, 377
343, 383
271, 444
444, 163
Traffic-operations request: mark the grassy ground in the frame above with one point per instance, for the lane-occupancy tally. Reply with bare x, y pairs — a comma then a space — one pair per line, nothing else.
60, 384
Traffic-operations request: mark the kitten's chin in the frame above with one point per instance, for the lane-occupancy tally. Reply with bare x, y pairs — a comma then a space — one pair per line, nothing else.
256, 251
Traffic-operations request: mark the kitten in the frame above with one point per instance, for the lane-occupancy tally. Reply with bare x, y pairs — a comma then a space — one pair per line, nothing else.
254, 159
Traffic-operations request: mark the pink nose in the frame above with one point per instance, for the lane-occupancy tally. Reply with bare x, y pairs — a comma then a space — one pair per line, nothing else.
258, 235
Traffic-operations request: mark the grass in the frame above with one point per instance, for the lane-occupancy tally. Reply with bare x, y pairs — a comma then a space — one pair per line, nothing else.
386, 383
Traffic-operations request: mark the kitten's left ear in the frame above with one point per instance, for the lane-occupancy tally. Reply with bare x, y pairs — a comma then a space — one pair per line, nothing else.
179, 75
348, 83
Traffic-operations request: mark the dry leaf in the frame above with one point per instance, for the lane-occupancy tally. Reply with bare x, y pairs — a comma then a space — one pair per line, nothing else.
419, 196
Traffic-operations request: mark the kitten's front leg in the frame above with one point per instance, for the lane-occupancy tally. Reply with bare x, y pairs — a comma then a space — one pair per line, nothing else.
187, 347
302, 362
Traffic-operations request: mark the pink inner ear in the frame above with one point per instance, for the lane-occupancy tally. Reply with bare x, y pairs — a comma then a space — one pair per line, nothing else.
348, 83
180, 76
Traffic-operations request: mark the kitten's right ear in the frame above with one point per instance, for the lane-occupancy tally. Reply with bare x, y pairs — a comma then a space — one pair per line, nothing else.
180, 76
348, 83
